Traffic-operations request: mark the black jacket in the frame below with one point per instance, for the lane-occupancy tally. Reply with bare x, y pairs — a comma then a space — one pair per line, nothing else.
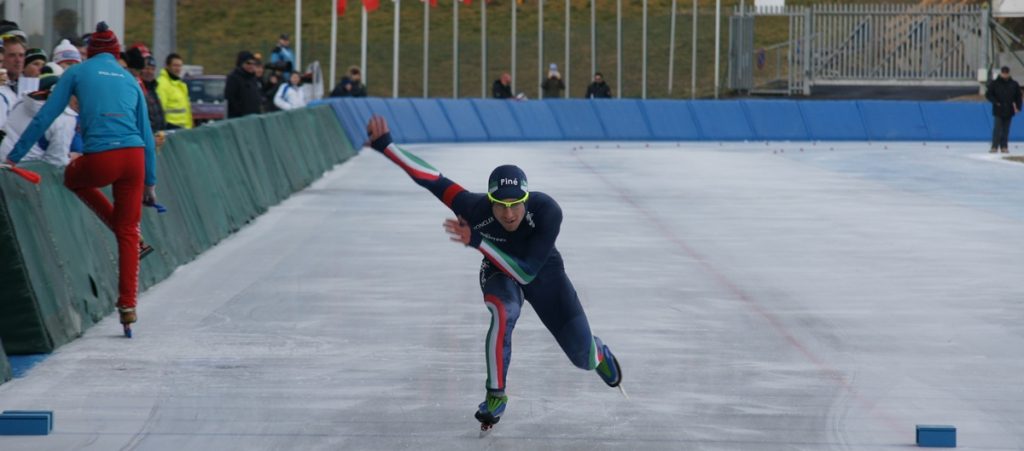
500, 91
553, 87
1003, 94
358, 89
243, 94
599, 91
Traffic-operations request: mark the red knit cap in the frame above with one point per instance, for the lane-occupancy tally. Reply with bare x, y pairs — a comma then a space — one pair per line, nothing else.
103, 41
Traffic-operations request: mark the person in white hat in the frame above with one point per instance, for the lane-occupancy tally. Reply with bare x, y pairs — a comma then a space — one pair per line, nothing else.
66, 54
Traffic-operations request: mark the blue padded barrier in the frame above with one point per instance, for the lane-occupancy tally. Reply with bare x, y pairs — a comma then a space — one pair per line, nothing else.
536, 120
412, 127
464, 119
832, 120
957, 121
670, 120
776, 120
498, 120
577, 119
377, 106
622, 119
724, 121
892, 120
438, 128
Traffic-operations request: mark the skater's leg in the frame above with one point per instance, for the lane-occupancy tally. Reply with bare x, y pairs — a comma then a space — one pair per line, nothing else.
504, 300
556, 303
127, 215
84, 176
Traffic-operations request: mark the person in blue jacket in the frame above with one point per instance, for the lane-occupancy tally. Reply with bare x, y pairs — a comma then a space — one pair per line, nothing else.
118, 150
515, 230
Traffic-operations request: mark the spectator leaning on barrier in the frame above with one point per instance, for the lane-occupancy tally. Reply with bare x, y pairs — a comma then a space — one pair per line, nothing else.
599, 89
1004, 93
119, 151
135, 58
502, 88
289, 95
554, 85
242, 90
173, 94
56, 144
350, 85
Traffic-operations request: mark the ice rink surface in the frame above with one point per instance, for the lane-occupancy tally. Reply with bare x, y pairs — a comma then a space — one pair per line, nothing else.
757, 300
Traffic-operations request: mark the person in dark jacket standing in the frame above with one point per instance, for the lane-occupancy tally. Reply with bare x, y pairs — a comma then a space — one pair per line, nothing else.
1004, 93
350, 85
242, 89
599, 89
502, 88
554, 85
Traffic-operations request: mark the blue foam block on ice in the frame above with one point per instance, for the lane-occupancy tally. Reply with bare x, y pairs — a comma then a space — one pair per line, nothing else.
936, 436
26, 422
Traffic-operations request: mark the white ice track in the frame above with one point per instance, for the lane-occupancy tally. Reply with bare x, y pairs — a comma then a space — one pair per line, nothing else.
826, 299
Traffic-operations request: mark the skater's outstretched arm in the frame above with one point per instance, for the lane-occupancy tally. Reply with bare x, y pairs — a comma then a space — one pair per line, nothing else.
522, 268
450, 193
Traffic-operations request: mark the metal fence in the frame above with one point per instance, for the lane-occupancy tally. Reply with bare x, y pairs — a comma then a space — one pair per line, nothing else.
859, 45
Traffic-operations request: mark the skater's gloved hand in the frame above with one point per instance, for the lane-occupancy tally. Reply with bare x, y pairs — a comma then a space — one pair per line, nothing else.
149, 195
380, 136
459, 231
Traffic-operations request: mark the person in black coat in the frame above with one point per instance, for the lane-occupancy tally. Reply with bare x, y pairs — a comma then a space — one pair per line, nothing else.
502, 88
1004, 93
599, 89
350, 85
242, 89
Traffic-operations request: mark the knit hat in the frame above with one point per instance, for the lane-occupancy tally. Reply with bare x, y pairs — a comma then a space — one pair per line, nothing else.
53, 68
33, 55
135, 58
243, 56
103, 41
8, 28
66, 52
507, 182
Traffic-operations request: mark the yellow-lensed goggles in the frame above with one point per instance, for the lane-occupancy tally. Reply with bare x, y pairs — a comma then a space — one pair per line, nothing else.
508, 204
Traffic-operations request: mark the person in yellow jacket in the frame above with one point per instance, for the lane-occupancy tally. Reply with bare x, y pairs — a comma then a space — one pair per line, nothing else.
173, 94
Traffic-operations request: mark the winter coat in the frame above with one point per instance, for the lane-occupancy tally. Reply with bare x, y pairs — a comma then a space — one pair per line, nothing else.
501, 91
242, 92
599, 91
156, 111
358, 88
553, 87
173, 95
289, 97
53, 147
1003, 94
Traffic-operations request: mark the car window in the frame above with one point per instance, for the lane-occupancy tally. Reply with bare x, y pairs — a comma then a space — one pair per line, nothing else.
206, 90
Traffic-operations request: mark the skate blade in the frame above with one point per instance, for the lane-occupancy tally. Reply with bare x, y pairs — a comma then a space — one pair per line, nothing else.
623, 391
127, 331
485, 429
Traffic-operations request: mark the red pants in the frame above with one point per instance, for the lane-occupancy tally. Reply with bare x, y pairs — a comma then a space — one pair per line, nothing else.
126, 170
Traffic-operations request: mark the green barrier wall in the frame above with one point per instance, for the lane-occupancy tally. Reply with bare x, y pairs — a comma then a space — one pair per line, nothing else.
5, 367
58, 272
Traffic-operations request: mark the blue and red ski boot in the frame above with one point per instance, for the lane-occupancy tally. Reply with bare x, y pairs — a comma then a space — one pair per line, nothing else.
489, 412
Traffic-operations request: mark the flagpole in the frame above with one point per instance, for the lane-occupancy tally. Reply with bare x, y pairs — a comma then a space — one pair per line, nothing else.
362, 61
515, 8
593, 36
298, 35
334, 42
483, 49
394, 53
540, 48
643, 88
672, 47
618, 47
455, 49
568, 67
693, 55
718, 41
426, 45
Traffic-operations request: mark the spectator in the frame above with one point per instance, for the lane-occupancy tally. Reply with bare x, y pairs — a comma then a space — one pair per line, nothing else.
35, 60
66, 54
83, 45
350, 85
289, 95
55, 147
52, 68
173, 94
281, 58
554, 85
502, 88
1004, 93
14, 62
270, 90
599, 89
135, 58
242, 90
157, 118
119, 151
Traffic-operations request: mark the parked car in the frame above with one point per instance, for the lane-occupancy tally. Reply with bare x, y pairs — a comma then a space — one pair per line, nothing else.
207, 95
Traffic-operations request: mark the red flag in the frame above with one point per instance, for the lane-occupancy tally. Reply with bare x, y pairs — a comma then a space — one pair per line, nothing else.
341, 7
371, 5
433, 3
